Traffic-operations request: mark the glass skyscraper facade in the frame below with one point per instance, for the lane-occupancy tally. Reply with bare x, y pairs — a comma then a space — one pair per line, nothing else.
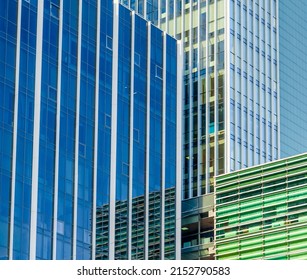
230, 97
293, 72
261, 212
230, 83
90, 110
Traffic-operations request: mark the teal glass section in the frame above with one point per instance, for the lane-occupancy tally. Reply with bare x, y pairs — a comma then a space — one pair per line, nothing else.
261, 212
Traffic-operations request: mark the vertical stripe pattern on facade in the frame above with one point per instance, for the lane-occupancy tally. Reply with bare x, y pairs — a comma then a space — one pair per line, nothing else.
239, 142
131, 138
67, 158
147, 141
113, 131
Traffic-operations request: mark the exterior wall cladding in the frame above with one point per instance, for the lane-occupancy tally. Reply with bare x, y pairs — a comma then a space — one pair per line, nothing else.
261, 212
89, 118
230, 97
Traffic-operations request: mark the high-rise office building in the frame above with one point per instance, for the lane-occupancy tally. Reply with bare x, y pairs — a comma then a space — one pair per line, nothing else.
261, 212
293, 73
230, 96
89, 116
231, 83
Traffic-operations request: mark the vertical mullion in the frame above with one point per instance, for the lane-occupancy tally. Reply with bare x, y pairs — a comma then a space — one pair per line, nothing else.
266, 81
93, 254
248, 93
227, 87
207, 104
271, 130
113, 130
179, 150
262, 81
190, 102
277, 80
36, 128
131, 136
254, 87
241, 87
76, 164
216, 100
199, 115
147, 142
162, 240
14, 154
57, 144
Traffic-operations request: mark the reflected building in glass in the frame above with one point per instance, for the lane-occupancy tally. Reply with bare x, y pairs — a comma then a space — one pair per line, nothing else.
90, 110
138, 225
230, 95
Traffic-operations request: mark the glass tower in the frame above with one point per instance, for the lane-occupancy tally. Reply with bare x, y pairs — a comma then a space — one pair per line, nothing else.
230, 97
293, 72
230, 83
89, 117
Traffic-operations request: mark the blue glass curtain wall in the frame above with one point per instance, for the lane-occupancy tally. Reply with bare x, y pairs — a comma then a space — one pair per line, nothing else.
22, 211
104, 130
67, 130
139, 138
47, 134
86, 129
170, 149
8, 41
60, 146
